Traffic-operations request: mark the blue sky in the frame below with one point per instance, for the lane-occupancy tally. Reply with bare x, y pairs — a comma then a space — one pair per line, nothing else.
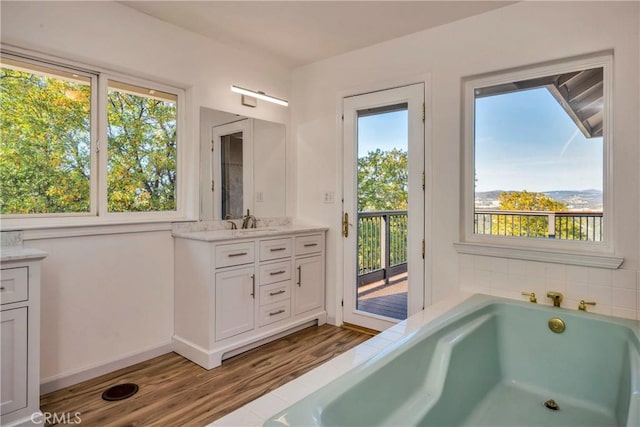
526, 141
384, 131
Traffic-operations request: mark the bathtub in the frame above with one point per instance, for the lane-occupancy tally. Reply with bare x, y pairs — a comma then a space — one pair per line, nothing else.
490, 362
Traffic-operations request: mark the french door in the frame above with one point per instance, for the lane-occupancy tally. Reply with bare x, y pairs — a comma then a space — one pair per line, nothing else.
384, 206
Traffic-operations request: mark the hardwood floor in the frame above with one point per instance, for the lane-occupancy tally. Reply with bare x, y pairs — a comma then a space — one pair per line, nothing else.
176, 392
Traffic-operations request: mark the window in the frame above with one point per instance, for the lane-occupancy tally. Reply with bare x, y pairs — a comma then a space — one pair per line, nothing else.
141, 165
50, 155
45, 133
536, 150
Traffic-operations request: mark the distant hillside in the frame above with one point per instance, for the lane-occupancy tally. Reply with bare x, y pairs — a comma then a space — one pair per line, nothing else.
584, 200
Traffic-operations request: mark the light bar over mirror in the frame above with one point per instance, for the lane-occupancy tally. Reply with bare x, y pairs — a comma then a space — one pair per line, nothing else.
259, 95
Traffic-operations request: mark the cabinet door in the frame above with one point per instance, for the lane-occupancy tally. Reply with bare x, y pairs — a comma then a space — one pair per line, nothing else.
235, 302
308, 288
14, 360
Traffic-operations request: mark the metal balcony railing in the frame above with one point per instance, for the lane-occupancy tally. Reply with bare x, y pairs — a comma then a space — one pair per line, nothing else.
382, 245
587, 226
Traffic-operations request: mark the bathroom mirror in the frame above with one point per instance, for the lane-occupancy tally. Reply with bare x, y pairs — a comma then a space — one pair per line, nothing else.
242, 166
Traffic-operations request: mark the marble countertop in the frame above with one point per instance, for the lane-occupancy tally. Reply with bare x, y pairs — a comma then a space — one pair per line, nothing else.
219, 235
20, 253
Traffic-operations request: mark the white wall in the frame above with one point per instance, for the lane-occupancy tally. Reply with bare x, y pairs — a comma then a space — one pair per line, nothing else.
104, 298
110, 297
514, 36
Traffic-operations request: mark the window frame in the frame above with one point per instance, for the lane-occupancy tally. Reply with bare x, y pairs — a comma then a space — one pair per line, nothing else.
527, 247
98, 213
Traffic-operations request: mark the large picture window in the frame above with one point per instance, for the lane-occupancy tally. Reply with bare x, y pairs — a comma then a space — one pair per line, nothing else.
51, 152
536, 155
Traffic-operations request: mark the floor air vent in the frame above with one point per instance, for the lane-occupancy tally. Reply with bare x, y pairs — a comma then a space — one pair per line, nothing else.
120, 392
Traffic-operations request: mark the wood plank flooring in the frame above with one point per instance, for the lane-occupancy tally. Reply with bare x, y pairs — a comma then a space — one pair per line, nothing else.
176, 392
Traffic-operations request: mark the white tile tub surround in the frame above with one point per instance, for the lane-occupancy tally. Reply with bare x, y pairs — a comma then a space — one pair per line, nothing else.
258, 411
616, 292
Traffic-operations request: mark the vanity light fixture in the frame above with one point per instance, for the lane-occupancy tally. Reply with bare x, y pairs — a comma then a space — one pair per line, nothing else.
259, 95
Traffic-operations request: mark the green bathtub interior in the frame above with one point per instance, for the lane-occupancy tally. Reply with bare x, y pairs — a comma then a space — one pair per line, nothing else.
490, 362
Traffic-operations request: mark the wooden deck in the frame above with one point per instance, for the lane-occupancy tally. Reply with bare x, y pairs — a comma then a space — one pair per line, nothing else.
389, 300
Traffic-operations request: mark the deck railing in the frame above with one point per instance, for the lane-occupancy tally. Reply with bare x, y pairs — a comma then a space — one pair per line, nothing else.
586, 226
382, 245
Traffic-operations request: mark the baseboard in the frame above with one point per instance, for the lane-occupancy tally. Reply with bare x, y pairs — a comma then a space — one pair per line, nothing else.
191, 351
57, 382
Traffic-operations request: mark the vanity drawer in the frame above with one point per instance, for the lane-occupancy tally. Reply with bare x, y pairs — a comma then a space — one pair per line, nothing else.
276, 272
275, 292
234, 254
274, 312
308, 244
14, 284
274, 249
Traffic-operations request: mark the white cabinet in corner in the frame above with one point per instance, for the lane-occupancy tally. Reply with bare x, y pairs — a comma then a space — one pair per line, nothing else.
20, 336
233, 294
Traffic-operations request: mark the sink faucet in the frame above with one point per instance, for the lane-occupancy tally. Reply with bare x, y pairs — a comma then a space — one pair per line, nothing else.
248, 221
556, 297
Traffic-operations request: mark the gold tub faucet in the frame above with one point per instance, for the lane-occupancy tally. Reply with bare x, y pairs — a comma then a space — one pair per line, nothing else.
532, 296
556, 297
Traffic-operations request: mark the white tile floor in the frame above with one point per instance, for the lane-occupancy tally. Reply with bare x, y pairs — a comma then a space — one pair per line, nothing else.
258, 411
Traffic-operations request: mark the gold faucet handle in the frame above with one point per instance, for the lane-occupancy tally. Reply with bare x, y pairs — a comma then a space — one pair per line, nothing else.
583, 304
532, 296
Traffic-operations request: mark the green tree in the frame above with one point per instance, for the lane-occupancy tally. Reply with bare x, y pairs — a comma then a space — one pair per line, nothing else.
532, 225
383, 181
382, 186
44, 144
142, 153
529, 201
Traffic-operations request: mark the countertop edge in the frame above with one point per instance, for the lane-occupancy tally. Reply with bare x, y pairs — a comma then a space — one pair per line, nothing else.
20, 253
222, 235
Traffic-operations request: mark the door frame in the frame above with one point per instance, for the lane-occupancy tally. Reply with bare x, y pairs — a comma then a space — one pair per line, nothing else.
424, 79
246, 127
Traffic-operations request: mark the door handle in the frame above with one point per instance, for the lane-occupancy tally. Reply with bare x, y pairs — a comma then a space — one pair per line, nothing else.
253, 286
299, 276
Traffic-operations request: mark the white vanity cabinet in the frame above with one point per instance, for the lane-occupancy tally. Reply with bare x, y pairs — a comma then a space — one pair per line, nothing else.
235, 292
20, 336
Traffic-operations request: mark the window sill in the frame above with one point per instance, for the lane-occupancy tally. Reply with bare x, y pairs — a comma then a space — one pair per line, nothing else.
541, 255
